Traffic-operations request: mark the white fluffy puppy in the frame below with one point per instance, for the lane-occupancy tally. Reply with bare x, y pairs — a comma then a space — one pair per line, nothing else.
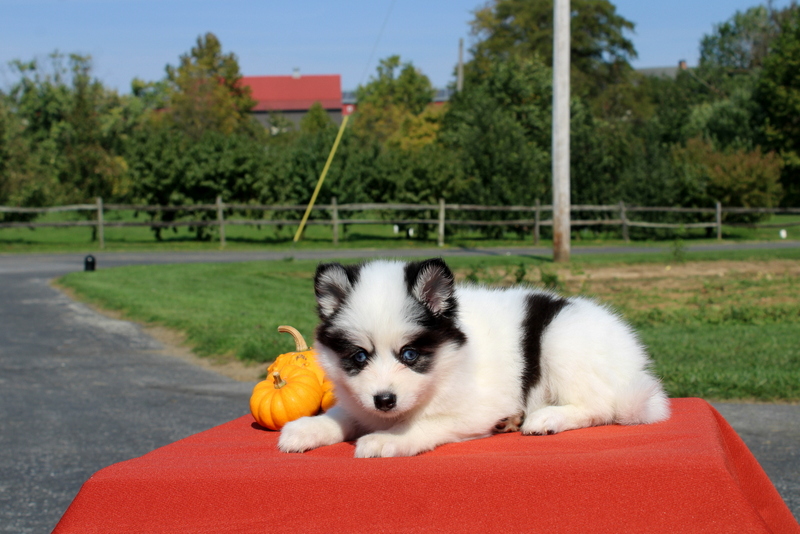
418, 362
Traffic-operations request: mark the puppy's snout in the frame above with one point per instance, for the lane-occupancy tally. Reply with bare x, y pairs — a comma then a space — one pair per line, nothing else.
385, 401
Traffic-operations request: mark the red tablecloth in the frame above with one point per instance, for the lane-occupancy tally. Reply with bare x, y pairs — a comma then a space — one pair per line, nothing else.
689, 474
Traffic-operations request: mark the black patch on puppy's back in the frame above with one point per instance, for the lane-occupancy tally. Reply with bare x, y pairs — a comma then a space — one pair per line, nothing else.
540, 309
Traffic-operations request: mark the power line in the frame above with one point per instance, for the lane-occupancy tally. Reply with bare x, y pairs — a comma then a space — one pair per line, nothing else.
378, 40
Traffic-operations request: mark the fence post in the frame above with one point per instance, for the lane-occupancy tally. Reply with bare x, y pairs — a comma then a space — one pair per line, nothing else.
624, 216
536, 219
441, 222
221, 221
719, 220
100, 234
335, 209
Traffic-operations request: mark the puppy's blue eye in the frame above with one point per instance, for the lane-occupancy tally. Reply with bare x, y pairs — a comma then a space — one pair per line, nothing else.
409, 355
360, 356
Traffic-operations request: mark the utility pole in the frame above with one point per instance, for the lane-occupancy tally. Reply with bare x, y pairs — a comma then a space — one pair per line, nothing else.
460, 71
561, 193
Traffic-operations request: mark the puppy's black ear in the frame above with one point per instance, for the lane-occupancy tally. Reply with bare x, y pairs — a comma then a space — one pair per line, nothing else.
332, 283
432, 283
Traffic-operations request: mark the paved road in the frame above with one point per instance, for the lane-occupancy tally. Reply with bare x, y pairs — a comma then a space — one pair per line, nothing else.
55, 263
79, 391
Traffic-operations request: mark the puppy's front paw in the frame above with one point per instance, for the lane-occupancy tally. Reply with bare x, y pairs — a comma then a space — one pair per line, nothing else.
549, 420
309, 433
381, 445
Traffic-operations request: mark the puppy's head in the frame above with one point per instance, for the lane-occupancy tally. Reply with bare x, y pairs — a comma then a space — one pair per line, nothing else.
384, 328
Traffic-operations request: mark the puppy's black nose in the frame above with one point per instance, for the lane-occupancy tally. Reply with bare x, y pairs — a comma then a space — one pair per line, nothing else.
385, 401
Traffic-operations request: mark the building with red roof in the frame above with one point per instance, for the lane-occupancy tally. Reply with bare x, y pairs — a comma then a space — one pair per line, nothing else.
292, 96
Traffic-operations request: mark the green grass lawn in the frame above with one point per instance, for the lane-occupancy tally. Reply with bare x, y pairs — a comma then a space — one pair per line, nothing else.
701, 344
21, 240
728, 361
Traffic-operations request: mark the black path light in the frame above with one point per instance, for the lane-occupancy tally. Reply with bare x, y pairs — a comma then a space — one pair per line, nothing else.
89, 263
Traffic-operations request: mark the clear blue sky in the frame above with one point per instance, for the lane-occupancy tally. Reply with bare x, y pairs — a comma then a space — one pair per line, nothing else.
137, 38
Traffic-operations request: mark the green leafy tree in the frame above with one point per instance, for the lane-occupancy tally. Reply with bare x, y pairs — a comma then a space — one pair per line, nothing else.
169, 168
196, 139
37, 105
600, 50
18, 186
725, 123
316, 120
738, 178
92, 167
418, 131
672, 102
715, 101
778, 95
73, 129
742, 42
500, 129
151, 95
204, 92
398, 93
732, 55
399, 84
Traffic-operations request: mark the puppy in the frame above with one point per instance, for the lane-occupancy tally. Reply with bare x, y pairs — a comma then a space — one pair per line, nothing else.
418, 362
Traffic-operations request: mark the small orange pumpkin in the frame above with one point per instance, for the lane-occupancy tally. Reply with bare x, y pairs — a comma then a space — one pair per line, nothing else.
328, 398
302, 356
289, 394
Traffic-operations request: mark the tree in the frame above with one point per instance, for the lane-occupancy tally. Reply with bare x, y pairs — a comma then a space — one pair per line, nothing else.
391, 98
169, 168
738, 178
732, 56
778, 95
725, 123
316, 120
72, 128
500, 129
92, 168
418, 131
205, 93
151, 95
15, 159
742, 42
197, 139
408, 89
600, 51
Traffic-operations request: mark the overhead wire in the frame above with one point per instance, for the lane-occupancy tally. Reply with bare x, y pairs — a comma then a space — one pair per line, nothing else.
341, 130
377, 41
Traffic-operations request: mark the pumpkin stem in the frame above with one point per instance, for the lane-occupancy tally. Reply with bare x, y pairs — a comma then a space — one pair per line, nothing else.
299, 342
277, 381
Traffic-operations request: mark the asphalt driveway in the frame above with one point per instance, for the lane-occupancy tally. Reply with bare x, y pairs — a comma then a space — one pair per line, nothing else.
80, 391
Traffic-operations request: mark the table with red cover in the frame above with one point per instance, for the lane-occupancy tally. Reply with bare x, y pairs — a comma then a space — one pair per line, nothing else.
691, 473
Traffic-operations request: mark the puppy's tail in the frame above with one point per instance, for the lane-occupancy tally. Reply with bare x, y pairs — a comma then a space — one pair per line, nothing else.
644, 402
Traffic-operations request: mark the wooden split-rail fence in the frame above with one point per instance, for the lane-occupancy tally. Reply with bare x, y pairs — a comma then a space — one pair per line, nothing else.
530, 216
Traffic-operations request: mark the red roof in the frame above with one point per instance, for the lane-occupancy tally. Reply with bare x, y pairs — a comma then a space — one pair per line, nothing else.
287, 93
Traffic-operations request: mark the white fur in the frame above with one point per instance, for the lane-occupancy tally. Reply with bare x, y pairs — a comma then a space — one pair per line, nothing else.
594, 371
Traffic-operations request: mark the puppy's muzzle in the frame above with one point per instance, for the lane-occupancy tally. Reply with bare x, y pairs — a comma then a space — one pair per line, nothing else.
385, 401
